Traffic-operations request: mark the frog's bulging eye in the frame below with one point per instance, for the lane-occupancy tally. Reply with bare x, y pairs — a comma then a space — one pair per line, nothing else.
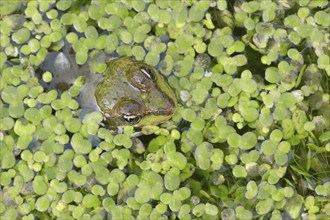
128, 110
150, 74
142, 79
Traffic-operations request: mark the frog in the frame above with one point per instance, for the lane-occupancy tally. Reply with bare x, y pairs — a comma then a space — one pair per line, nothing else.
134, 93
128, 92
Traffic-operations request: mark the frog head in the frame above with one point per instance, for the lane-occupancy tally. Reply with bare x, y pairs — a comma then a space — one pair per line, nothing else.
134, 93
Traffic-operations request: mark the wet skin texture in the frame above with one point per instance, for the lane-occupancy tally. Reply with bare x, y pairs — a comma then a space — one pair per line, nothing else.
133, 93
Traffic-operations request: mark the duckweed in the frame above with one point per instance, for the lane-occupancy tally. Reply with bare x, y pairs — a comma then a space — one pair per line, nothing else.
249, 137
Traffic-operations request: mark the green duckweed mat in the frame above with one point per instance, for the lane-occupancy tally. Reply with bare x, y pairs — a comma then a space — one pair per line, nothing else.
249, 139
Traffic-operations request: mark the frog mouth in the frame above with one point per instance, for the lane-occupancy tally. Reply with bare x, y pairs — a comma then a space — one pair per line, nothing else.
158, 112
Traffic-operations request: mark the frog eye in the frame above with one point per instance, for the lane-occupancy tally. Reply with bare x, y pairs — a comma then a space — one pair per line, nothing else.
150, 74
132, 119
143, 79
128, 110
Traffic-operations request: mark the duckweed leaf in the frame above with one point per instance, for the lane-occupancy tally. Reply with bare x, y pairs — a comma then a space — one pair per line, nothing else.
177, 160
91, 201
171, 181
42, 203
264, 206
21, 36
80, 145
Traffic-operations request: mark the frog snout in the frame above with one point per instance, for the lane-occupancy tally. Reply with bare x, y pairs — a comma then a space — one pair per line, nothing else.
160, 103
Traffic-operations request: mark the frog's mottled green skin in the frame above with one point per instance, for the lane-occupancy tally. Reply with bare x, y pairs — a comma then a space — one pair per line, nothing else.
133, 93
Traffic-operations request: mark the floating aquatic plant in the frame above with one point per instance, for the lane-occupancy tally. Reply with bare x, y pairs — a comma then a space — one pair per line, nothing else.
250, 137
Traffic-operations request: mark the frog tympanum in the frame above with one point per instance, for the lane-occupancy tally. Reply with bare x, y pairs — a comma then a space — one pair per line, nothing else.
133, 93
